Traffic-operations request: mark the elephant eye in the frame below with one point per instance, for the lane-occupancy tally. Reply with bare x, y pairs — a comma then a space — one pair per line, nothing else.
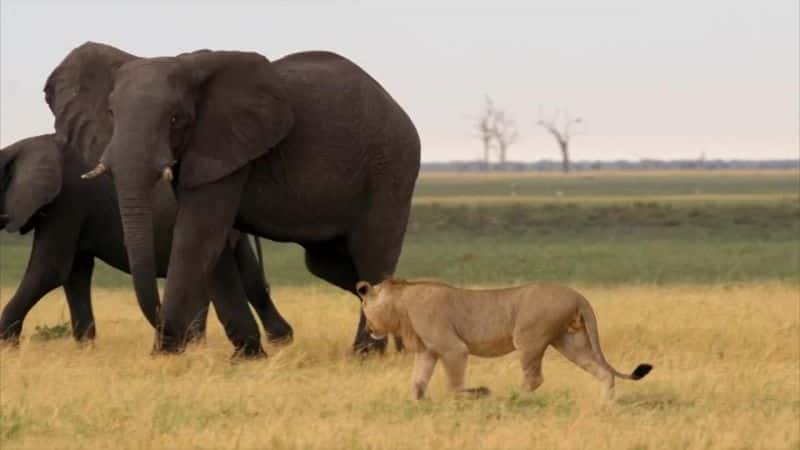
110, 113
173, 120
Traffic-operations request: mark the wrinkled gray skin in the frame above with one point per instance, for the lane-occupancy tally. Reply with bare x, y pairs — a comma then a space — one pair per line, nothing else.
307, 149
75, 221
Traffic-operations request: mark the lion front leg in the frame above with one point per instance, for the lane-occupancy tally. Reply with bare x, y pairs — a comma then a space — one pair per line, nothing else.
424, 363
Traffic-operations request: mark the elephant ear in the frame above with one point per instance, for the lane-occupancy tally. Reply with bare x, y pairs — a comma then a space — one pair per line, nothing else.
77, 92
242, 112
32, 170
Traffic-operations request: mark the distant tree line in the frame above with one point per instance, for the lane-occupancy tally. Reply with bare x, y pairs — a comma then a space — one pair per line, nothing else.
497, 131
644, 164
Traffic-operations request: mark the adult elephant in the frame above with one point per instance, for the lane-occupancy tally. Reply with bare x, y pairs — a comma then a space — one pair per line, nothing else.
75, 221
307, 149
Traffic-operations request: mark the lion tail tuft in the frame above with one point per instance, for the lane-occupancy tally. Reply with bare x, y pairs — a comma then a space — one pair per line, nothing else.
641, 371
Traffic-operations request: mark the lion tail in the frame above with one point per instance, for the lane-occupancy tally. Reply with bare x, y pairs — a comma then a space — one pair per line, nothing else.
590, 321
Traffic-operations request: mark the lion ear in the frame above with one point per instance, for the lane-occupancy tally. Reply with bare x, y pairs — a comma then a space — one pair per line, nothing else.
242, 112
363, 288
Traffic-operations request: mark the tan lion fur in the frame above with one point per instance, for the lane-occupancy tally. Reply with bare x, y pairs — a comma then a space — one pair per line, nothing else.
442, 322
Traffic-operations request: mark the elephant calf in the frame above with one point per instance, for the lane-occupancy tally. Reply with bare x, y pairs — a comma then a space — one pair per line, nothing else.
75, 221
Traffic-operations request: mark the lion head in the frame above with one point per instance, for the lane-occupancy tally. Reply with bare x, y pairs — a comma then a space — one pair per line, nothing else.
386, 311
378, 308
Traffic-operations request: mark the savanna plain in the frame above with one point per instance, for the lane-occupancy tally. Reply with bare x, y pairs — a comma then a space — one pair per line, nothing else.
697, 273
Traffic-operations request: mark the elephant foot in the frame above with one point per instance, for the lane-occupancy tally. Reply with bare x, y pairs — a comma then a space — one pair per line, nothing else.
85, 344
196, 336
85, 341
10, 328
10, 335
366, 345
166, 350
9, 342
196, 340
196, 332
84, 336
250, 351
281, 340
280, 334
277, 329
167, 345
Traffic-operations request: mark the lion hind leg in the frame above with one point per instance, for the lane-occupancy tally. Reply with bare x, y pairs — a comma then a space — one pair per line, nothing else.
531, 361
577, 348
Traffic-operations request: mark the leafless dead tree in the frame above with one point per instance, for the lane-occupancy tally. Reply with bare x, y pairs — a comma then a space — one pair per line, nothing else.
497, 131
504, 132
484, 127
561, 127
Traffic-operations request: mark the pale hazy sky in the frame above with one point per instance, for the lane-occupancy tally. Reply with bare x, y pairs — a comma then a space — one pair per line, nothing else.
651, 79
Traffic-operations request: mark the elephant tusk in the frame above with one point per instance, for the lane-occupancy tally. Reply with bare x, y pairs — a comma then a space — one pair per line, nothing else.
166, 174
97, 171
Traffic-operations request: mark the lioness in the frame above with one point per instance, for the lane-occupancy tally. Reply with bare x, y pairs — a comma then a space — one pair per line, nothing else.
439, 321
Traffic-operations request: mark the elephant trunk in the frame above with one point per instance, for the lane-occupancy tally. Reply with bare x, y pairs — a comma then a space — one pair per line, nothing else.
137, 223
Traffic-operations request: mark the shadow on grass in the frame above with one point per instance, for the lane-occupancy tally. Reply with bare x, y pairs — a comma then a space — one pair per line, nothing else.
663, 401
492, 407
559, 403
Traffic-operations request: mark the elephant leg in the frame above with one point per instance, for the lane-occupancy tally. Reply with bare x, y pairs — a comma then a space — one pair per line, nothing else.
258, 293
230, 303
331, 262
48, 267
374, 246
197, 328
79, 297
364, 343
33, 287
204, 221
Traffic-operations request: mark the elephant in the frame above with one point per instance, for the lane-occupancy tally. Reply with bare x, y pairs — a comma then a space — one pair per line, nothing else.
308, 148
75, 221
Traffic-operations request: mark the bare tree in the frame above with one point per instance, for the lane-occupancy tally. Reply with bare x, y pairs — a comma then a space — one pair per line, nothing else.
484, 127
497, 131
504, 132
560, 126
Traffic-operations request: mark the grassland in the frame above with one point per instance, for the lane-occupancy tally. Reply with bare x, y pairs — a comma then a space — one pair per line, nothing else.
607, 228
695, 272
727, 375
594, 184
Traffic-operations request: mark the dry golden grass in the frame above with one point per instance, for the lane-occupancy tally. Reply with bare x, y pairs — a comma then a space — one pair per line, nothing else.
727, 375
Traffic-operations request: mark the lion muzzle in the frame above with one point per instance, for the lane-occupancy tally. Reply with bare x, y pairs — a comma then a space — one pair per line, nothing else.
375, 335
